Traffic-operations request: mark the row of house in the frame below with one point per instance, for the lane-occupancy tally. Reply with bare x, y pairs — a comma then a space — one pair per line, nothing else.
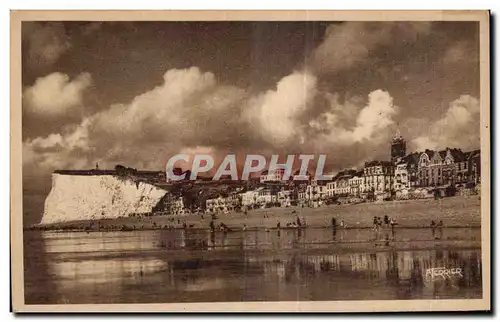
268, 196
415, 175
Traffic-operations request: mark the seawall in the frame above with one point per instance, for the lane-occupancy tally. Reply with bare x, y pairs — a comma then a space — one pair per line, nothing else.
92, 197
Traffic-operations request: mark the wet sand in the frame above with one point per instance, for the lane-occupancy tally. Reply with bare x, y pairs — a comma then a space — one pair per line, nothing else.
190, 266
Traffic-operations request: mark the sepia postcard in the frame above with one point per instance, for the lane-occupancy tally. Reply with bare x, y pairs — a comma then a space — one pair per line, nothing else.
250, 161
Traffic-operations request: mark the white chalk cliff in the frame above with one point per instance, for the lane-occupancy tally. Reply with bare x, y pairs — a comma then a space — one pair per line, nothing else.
81, 197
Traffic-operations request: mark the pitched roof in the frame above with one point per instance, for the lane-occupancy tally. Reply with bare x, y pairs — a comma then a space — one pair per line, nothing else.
430, 153
414, 157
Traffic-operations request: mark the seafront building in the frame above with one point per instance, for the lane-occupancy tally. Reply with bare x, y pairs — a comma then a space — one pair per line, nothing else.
222, 204
379, 179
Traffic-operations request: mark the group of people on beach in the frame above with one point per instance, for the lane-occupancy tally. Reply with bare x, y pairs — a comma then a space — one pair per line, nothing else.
297, 223
386, 223
437, 226
220, 227
334, 223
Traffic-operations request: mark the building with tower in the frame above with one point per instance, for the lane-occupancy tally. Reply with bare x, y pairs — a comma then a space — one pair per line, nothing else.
398, 148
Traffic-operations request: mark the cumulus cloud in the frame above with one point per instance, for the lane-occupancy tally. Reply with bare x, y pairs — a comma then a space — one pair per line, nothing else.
458, 128
70, 149
56, 94
373, 119
353, 131
351, 43
277, 111
188, 109
45, 42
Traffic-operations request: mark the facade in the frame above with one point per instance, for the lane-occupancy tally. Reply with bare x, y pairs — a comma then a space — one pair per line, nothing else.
316, 191
302, 194
406, 173
315, 194
474, 165
357, 185
423, 168
412, 168
176, 206
401, 177
221, 204
442, 168
266, 195
249, 198
330, 189
379, 179
342, 187
462, 168
341, 182
285, 197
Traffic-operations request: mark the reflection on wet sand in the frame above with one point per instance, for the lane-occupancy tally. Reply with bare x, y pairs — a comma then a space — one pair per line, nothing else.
191, 266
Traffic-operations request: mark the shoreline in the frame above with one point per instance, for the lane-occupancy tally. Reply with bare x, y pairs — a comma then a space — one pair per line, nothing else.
455, 212
307, 249
250, 229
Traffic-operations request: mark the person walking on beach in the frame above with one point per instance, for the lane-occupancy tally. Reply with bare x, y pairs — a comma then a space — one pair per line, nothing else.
376, 227
386, 221
299, 224
433, 228
393, 223
375, 223
278, 224
440, 229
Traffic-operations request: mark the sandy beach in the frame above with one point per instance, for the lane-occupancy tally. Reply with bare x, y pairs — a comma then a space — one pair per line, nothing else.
454, 212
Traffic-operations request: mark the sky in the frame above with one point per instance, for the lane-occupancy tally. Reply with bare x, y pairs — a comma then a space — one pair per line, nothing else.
137, 93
